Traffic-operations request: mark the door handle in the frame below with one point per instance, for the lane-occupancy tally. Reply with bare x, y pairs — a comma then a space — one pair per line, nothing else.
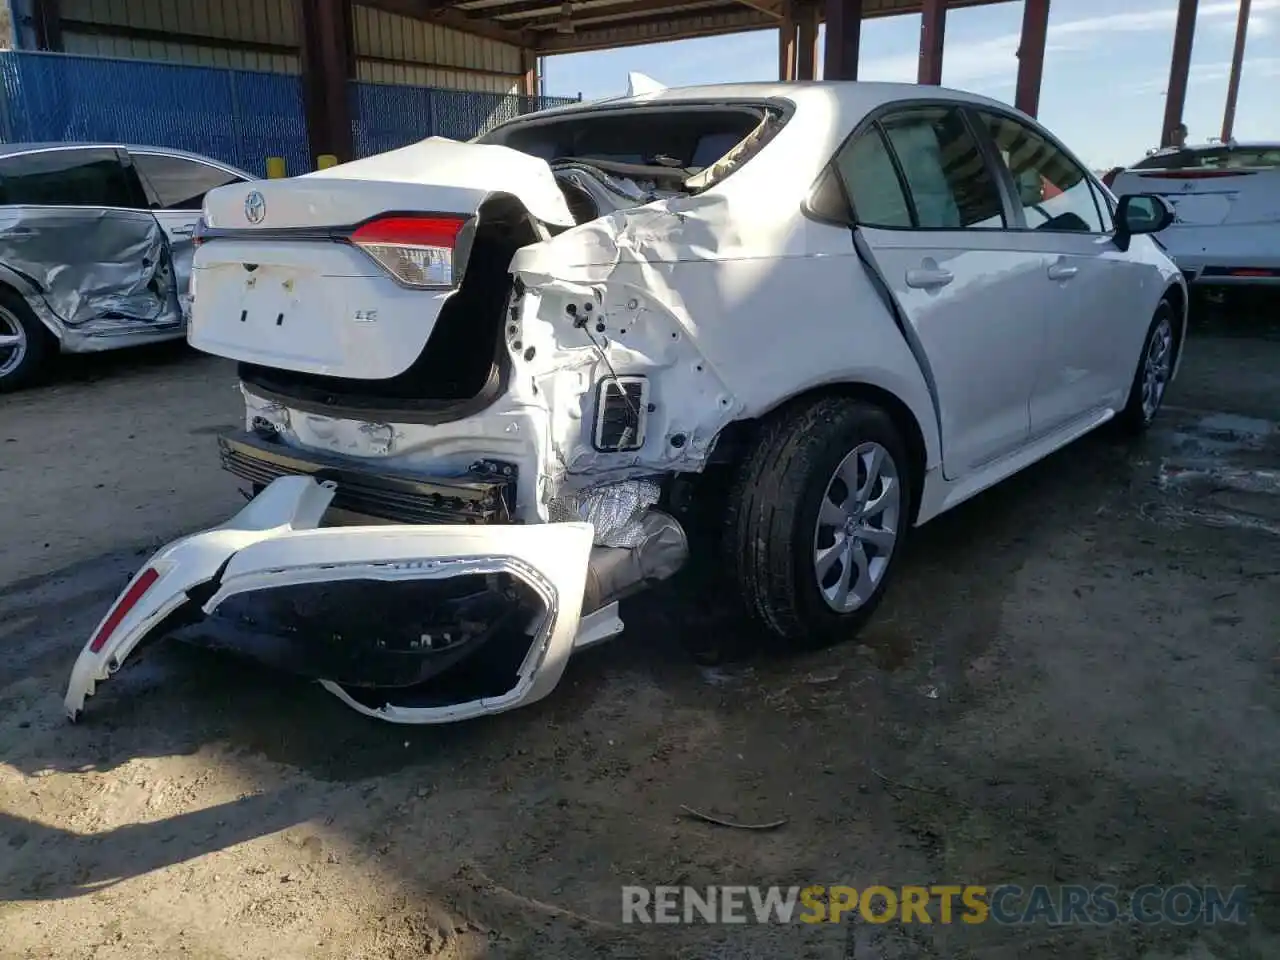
927, 278
1060, 271
184, 231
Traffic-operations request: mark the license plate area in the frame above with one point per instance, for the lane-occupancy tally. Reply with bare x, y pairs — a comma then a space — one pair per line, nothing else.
269, 294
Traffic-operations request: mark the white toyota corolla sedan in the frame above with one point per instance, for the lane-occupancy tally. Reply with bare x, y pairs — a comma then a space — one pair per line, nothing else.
485, 381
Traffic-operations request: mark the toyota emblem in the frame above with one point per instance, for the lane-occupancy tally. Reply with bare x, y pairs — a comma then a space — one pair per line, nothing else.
255, 207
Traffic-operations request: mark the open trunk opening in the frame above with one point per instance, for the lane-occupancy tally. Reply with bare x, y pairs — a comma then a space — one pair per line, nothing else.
463, 366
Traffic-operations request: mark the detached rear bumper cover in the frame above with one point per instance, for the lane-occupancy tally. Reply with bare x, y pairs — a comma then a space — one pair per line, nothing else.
274, 544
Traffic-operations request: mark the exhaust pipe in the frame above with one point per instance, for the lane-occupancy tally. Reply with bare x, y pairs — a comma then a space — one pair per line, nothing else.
618, 572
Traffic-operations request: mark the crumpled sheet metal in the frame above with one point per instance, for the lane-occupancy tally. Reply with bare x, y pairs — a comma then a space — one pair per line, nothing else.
615, 510
93, 267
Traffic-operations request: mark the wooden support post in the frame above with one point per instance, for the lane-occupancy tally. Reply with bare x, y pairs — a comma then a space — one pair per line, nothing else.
1035, 28
933, 26
844, 34
807, 55
1184, 33
787, 43
324, 29
1237, 64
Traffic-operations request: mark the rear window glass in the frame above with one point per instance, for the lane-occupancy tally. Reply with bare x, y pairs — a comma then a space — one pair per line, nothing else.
692, 138
1212, 158
70, 178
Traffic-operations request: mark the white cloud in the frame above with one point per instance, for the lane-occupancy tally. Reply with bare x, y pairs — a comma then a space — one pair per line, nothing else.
1209, 73
994, 58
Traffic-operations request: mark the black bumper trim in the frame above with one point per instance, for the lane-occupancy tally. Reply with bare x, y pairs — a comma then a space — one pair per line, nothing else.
483, 496
465, 635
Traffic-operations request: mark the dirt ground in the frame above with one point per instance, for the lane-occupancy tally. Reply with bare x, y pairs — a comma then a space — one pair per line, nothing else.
1074, 679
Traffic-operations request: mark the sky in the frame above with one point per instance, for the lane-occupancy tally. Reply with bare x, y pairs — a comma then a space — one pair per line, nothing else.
1105, 73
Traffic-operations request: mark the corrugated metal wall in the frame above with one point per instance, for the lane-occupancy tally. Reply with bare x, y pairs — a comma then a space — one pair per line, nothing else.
95, 27
257, 35
395, 49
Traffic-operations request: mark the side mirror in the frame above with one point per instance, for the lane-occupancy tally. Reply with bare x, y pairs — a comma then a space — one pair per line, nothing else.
1139, 213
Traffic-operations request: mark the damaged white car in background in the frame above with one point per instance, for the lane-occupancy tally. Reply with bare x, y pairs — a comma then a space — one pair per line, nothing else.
487, 384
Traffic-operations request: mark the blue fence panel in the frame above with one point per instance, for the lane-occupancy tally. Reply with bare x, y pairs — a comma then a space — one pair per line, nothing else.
237, 116
386, 116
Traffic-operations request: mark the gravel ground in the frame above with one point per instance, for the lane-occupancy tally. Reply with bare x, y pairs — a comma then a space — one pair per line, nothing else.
1073, 680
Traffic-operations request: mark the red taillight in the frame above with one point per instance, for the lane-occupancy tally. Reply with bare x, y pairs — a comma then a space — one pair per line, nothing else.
416, 250
126, 603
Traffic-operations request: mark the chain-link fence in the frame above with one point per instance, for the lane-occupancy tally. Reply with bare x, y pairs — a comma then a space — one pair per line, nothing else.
237, 116
386, 116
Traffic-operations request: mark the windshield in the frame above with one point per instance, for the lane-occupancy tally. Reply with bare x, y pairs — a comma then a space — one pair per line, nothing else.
697, 144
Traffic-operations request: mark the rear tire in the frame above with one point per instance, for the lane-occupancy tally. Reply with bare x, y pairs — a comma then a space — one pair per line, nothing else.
1151, 378
26, 346
817, 518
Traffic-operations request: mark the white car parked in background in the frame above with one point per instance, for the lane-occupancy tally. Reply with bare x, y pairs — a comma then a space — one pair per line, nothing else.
865, 302
95, 248
1226, 202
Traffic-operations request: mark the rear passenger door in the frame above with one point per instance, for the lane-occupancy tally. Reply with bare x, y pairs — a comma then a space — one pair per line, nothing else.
75, 220
1060, 216
177, 186
928, 206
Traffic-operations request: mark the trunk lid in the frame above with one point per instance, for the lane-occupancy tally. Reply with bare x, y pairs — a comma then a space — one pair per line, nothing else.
288, 276
1209, 197
435, 175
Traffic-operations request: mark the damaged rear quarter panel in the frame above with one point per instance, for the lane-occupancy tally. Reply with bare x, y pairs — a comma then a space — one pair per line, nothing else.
730, 302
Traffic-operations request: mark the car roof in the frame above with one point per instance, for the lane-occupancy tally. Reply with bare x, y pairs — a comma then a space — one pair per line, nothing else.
15, 149
861, 94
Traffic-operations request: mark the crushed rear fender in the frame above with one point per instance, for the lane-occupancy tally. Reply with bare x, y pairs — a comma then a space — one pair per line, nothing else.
366, 608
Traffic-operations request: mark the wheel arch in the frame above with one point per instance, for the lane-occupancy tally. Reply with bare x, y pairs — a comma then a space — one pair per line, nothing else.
28, 289
734, 439
1176, 294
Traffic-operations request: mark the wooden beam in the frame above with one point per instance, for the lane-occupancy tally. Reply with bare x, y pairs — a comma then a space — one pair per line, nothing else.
771, 7
787, 43
654, 30
1184, 32
843, 37
619, 14
933, 25
808, 14
94, 29
446, 14
325, 34
529, 79
46, 20
512, 75
1035, 28
1237, 62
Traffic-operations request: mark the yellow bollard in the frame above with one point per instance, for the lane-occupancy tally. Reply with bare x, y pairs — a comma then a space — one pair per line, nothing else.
326, 160
275, 168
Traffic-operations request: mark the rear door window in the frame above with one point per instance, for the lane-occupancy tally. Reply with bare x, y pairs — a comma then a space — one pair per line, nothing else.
180, 183
872, 183
92, 177
921, 167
